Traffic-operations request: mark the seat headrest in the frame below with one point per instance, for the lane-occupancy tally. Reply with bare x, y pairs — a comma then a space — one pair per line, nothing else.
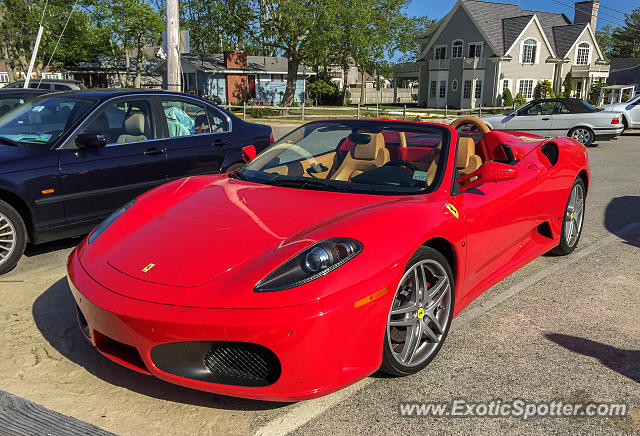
134, 124
466, 149
369, 151
100, 124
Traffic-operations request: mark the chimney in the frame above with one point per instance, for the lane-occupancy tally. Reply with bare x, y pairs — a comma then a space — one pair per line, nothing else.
587, 12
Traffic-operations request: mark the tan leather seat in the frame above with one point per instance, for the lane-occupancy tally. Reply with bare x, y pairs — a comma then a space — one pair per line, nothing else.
467, 161
134, 127
363, 157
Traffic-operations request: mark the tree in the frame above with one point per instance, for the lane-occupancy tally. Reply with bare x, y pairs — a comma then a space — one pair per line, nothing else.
544, 89
410, 47
323, 91
130, 26
519, 100
604, 37
19, 21
507, 98
626, 40
568, 84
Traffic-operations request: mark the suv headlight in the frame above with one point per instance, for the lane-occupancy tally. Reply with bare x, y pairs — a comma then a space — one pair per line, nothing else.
314, 262
108, 221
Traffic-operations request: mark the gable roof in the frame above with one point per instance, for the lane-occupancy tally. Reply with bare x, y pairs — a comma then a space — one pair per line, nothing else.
214, 62
624, 63
512, 28
565, 36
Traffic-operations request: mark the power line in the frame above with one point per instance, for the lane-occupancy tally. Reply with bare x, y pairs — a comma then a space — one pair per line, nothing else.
58, 42
614, 10
617, 23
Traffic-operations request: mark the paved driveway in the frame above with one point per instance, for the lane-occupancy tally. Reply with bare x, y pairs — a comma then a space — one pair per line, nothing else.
562, 329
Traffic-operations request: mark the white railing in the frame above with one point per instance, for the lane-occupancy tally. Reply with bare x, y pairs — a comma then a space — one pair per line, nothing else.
438, 64
474, 63
595, 68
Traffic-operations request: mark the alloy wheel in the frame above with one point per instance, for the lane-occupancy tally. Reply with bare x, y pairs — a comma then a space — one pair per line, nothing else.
7, 238
582, 135
574, 215
419, 316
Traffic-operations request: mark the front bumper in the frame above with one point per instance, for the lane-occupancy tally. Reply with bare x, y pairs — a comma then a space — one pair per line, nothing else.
322, 346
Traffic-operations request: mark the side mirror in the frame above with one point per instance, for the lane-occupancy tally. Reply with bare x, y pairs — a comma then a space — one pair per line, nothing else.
249, 153
91, 140
488, 172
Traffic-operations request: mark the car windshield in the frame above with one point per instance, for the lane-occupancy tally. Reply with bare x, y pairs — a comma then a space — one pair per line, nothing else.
363, 156
43, 120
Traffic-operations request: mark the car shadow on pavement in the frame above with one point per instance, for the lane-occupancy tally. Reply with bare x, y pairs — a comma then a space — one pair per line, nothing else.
625, 362
61, 244
55, 316
621, 212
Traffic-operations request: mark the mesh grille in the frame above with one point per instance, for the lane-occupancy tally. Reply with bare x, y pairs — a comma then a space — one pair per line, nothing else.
551, 151
243, 362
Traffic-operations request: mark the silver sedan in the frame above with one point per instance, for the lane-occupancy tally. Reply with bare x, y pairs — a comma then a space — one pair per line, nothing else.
560, 117
630, 112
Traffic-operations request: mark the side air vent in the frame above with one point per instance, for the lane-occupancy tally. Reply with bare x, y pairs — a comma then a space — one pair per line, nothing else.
551, 151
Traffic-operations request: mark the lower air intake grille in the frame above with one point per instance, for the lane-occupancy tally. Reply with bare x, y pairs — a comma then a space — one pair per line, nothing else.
551, 151
243, 363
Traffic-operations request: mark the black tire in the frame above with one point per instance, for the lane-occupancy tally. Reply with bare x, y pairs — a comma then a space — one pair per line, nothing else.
390, 364
11, 221
234, 167
587, 138
625, 124
565, 247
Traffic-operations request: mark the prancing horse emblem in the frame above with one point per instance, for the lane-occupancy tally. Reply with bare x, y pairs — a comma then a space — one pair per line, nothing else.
148, 267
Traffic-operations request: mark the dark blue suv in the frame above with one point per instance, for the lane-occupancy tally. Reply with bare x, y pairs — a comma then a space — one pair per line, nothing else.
68, 160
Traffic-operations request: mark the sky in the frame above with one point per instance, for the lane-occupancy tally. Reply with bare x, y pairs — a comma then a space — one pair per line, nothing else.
439, 8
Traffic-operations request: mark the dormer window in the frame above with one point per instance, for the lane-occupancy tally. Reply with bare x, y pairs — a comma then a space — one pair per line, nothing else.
440, 52
475, 49
529, 51
457, 48
583, 53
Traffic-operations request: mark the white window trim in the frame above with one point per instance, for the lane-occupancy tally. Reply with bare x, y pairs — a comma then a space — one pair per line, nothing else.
509, 86
538, 46
446, 90
453, 51
534, 82
575, 55
470, 89
436, 47
480, 43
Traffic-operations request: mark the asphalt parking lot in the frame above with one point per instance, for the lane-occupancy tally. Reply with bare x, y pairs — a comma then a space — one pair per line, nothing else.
562, 329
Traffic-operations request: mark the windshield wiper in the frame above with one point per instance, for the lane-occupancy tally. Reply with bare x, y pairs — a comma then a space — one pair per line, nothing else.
304, 183
9, 141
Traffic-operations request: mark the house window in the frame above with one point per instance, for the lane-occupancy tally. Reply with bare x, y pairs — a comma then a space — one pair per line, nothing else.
525, 87
440, 52
529, 48
475, 50
432, 89
506, 84
457, 47
467, 89
478, 91
582, 55
443, 88
4, 77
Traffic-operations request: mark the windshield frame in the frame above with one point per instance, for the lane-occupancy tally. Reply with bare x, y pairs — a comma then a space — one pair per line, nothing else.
71, 95
361, 188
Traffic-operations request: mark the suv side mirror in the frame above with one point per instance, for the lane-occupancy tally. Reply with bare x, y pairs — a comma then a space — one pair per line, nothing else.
91, 140
488, 172
249, 153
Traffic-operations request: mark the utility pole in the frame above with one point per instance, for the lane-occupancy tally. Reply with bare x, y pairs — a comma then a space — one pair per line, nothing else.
174, 75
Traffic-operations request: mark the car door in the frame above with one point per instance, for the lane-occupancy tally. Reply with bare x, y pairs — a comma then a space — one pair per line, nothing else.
501, 220
96, 181
563, 119
634, 113
533, 118
197, 135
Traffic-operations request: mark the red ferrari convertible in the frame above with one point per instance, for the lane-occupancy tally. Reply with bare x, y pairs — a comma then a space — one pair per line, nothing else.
344, 248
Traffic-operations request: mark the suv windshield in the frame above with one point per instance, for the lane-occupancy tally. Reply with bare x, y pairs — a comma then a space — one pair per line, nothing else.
364, 156
42, 121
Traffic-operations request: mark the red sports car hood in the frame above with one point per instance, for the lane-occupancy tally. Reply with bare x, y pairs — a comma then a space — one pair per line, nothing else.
198, 237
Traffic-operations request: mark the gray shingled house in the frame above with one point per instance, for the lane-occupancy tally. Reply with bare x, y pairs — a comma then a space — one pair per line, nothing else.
481, 48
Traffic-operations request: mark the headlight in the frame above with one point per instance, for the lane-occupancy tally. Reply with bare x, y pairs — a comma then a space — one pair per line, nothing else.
314, 262
108, 221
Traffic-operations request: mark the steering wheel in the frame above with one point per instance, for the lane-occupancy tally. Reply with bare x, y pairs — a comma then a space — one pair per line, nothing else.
474, 121
401, 163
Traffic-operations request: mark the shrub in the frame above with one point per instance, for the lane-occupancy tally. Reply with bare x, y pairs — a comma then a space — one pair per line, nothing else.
543, 89
561, 95
213, 99
568, 84
519, 100
507, 98
262, 112
308, 102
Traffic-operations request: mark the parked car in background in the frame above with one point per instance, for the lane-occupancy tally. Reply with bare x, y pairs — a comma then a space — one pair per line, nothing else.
69, 159
560, 117
630, 112
12, 98
51, 84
